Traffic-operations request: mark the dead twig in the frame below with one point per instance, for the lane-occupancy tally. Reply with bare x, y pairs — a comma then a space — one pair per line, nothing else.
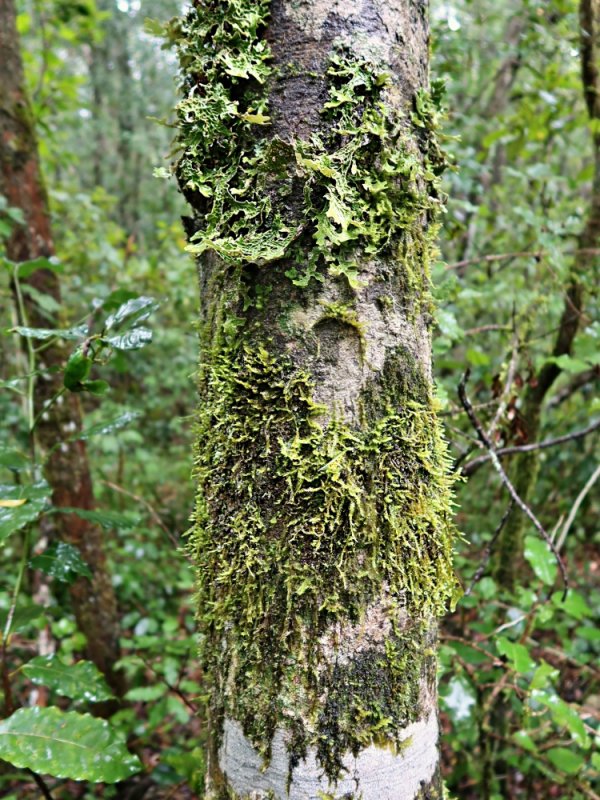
474, 465
488, 550
462, 393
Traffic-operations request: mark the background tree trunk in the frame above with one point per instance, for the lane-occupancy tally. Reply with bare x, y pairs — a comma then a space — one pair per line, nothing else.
66, 467
510, 558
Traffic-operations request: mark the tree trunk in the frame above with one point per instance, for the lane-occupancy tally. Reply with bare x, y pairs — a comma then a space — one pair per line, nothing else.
323, 526
509, 562
66, 468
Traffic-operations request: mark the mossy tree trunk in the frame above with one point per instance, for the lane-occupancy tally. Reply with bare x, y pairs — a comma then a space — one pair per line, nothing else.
525, 467
66, 464
323, 527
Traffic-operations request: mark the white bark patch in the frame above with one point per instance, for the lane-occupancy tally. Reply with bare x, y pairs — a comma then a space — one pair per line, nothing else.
344, 640
375, 774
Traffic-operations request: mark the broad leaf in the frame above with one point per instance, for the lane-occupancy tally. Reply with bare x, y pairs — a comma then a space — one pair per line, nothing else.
66, 745
563, 715
517, 653
146, 694
131, 313
541, 558
134, 339
32, 500
77, 370
13, 459
565, 760
61, 561
110, 426
80, 681
74, 334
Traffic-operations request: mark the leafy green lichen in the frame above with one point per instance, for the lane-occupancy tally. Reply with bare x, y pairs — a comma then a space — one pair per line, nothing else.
366, 189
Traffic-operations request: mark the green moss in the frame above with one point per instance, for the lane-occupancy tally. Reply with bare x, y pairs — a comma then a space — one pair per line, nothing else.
372, 698
298, 527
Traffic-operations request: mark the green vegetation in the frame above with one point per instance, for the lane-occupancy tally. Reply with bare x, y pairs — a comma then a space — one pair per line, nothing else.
518, 677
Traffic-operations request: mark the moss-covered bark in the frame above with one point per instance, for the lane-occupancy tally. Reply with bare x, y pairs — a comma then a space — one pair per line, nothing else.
323, 531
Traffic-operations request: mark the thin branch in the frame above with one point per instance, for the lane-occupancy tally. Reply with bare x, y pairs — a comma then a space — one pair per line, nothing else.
462, 393
573, 512
591, 251
510, 376
41, 783
150, 508
473, 466
488, 550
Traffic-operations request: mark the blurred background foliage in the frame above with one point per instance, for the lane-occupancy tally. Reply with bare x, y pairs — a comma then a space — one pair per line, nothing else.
519, 679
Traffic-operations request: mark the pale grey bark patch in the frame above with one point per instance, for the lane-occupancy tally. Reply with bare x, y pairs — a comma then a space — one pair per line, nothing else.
375, 774
349, 357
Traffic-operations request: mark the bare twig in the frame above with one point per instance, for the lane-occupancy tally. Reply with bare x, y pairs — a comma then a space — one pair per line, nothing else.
41, 784
592, 251
462, 393
488, 550
575, 508
474, 465
153, 512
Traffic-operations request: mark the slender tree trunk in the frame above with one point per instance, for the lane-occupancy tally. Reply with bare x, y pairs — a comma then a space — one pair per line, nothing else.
322, 531
66, 467
525, 467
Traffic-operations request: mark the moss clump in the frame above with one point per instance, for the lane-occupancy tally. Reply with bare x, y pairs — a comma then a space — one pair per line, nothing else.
299, 527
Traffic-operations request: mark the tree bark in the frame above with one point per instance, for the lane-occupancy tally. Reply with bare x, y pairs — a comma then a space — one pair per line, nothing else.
66, 466
510, 559
323, 529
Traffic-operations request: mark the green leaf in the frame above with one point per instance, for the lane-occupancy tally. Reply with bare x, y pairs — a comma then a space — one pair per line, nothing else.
569, 364
35, 497
134, 339
22, 618
131, 313
110, 426
62, 561
565, 760
80, 681
97, 387
154, 27
524, 740
13, 459
74, 334
541, 558
563, 715
27, 268
146, 694
106, 519
77, 370
66, 745
517, 653
574, 604
543, 675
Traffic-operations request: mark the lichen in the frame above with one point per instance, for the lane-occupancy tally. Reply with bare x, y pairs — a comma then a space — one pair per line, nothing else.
368, 191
